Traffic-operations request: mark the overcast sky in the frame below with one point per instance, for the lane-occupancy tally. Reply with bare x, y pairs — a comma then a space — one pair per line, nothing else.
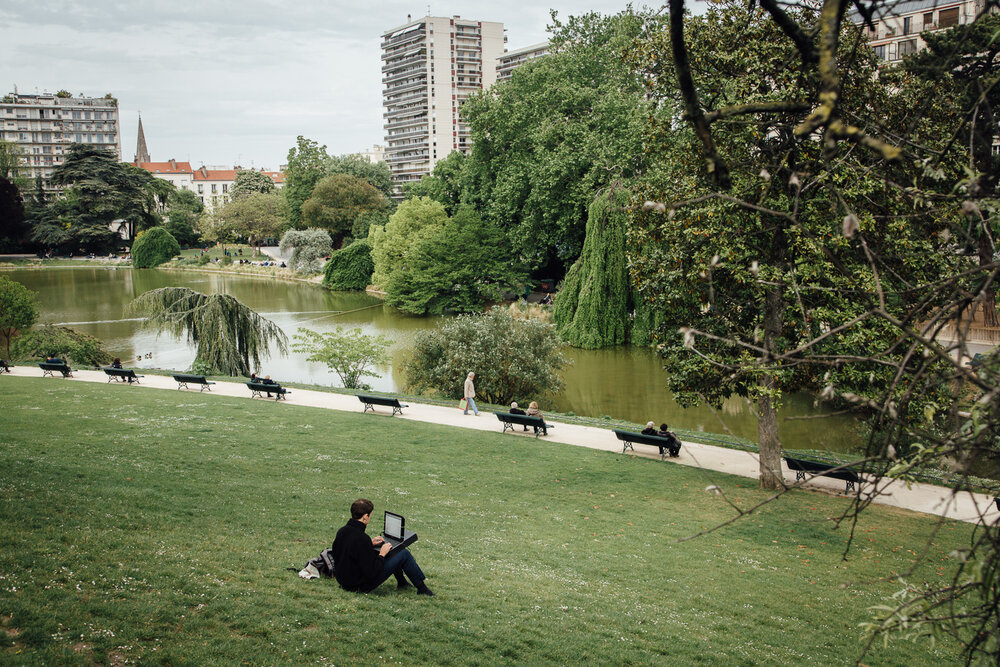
224, 83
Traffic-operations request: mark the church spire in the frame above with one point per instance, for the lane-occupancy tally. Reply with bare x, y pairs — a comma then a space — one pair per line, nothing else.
141, 152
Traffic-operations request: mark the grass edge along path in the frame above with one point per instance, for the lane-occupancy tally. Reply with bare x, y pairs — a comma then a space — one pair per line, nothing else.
154, 527
927, 498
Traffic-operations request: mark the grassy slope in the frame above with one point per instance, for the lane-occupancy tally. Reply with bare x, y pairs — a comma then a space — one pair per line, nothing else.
154, 525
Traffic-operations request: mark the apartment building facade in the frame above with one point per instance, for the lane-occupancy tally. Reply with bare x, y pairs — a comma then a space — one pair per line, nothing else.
897, 26
44, 126
429, 67
511, 60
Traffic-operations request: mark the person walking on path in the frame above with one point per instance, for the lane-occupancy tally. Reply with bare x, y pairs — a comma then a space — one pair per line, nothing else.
470, 394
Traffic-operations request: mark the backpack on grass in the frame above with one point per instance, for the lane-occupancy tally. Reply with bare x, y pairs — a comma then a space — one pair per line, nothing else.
321, 566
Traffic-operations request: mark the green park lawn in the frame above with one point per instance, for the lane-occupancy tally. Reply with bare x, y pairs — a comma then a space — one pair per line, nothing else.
156, 526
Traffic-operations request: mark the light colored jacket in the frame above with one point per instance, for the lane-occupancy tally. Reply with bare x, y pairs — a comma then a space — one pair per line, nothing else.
470, 389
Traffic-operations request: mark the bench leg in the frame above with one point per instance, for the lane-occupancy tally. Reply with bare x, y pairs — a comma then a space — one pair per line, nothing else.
800, 476
368, 406
181, 385
850, 486
397, 411
627, 445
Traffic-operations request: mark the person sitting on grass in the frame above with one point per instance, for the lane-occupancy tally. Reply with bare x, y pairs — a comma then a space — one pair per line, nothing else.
514, 410
533, 411
360, 568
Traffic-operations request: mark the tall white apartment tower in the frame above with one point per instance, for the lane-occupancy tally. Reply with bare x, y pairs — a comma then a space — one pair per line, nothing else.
429, 67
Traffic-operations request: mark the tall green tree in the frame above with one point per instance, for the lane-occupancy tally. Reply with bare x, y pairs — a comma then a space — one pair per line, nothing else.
231, 339
18, 310
12, 228
182, 213
595, 303
351, 267
391, 245
154, 247
445, 184
776, 261
254, 217
248, 181
561, 129
307, 163
337, 201
457, 267
377, 174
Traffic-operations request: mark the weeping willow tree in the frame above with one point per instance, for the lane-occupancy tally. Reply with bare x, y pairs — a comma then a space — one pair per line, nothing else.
592, 308
228, 335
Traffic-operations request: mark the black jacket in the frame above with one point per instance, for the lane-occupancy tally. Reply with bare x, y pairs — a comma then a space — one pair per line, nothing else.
358, 565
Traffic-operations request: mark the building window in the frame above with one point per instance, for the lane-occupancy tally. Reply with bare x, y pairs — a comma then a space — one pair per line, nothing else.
907, 25
213, 189
948, 18
225, 188
906, 47
76, 115
201, 189
929, 21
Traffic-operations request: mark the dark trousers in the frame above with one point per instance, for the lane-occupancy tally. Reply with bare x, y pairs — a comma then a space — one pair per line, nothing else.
401, 561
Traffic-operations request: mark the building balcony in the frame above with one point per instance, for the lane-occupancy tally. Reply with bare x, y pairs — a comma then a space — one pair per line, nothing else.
418, 57
409, 73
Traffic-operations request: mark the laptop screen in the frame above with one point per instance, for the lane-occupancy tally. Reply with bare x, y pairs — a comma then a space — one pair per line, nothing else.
394, 525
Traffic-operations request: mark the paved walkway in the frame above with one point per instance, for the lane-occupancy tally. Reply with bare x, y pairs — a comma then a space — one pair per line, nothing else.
926, 498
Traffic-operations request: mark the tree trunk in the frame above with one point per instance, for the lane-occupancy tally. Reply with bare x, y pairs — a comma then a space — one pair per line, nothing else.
990, 293
767, 416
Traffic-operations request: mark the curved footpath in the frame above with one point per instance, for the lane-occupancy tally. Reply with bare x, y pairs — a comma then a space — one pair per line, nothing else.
926, 498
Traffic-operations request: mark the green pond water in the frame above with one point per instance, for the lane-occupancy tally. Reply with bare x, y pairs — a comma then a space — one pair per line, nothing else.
622, 383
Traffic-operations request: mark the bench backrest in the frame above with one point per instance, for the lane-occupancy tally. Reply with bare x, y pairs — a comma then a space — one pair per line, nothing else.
123, 372
190, 378
273, 388
820, 468
632, 436
379, 400
52, 367
523, 420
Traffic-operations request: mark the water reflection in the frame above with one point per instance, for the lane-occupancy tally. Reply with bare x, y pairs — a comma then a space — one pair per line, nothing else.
622, 383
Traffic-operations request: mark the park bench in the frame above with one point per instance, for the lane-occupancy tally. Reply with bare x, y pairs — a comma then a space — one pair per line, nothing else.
630, 438
122, 375
509, 421
50, 369
803, 467
183, 381
258, 389
371, 401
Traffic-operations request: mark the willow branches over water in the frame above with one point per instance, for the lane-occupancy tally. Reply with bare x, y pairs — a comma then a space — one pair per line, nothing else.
230, 337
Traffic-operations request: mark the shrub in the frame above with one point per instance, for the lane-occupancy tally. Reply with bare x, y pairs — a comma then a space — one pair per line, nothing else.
309, 248
350, 268
513, 359
63, 342
17, 310
349, 354
154, 247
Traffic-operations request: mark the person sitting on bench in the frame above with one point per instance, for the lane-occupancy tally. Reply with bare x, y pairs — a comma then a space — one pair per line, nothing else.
514, 410
117, 363
358, 567
53, 359
533, 411
675, 445
267, 380
650, 429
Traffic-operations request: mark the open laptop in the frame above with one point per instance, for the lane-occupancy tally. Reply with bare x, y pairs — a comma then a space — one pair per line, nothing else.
395, 533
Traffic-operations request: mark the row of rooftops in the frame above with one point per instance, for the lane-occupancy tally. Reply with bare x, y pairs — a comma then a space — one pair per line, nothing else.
173, 167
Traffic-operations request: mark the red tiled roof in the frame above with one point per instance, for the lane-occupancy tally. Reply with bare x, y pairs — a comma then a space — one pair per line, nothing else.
203, 174
276, 176
171, 167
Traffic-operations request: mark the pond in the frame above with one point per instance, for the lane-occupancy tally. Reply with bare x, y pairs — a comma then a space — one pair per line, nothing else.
622, 383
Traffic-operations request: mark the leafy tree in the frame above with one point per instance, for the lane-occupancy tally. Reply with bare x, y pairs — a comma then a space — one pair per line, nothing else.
12, 227
12, 164
307, 163
18, 310
337, 201
350, 354
377, 174
254, 217
561, 129
230, 338
248, 181
445, 184
514, 359
309, 248
456, 267
68, 344
182, 213
364, 222
390, 245
350, 268
154, 247
595, 301
99, 194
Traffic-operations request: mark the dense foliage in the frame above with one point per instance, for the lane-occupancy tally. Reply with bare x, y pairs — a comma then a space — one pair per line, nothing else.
248, 181
456, 267
337, 201
12, 226
18, 310
309, 248
513, 359
182, 212
350, 354
391, 245
306, 165
594, 305
351, 267
230, 338
71, 346
154, 247
255, 217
